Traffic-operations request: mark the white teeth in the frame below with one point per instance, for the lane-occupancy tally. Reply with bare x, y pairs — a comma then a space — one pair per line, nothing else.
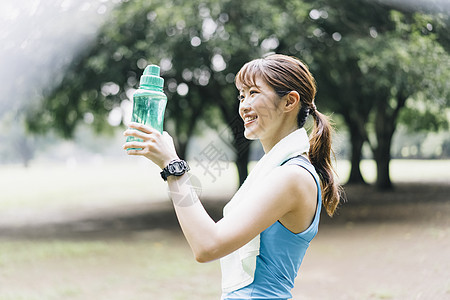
248, 119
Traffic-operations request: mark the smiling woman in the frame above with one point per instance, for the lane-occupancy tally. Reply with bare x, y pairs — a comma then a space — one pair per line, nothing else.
270, 221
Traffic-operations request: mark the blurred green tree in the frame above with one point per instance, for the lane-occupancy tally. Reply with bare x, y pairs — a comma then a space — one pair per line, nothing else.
200, 46
367, 58
415, 72
338, 26
370, 65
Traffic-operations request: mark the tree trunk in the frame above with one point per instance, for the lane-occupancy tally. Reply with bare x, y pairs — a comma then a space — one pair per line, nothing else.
356, 123
181, 149
357, 142
240, 144
242, 147
383, 159
385, 124
182, 143
242, 164
384, 129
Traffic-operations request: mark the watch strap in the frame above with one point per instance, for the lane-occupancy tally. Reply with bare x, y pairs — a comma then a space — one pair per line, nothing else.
176, 167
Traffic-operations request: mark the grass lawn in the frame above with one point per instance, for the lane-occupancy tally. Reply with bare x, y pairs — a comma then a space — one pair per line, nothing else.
402, 170
141, 265
125, 181
158, 264
134, 180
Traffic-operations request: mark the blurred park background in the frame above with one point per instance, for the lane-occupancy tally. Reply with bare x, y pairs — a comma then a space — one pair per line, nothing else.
81, 220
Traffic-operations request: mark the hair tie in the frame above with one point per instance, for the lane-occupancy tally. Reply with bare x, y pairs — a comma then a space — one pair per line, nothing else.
312, 108
302, 116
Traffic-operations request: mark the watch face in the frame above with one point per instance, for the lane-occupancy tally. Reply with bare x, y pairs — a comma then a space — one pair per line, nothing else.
176, 168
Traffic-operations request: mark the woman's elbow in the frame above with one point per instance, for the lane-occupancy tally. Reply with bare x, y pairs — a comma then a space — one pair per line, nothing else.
206, 255
202, 259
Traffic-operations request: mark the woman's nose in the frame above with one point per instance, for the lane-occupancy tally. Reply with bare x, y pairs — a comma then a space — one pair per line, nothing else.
244, 106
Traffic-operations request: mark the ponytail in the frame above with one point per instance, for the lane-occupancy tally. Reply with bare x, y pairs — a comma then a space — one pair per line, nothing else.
320, 156
285, 74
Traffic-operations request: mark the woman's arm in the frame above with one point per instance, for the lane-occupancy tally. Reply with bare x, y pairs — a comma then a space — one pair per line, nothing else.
279, 193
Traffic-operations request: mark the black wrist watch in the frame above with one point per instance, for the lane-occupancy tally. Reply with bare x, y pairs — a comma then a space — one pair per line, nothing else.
176, 167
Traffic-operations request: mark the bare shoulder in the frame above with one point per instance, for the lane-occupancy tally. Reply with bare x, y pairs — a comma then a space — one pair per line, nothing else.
301, 194
287, 194
296, 179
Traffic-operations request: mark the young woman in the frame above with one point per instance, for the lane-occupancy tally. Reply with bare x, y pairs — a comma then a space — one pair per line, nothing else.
269, 223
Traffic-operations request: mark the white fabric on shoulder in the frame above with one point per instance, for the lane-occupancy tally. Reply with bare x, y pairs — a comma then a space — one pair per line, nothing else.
238, 268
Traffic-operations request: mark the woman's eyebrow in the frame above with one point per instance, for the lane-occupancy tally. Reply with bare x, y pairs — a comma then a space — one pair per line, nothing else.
247, 87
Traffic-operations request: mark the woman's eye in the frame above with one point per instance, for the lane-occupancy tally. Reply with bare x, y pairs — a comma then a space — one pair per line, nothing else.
242, 96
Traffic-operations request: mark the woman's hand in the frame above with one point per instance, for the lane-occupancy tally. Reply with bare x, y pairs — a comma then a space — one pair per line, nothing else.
155, 146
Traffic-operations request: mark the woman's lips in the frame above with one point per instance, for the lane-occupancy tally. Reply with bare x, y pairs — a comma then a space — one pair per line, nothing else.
249, 120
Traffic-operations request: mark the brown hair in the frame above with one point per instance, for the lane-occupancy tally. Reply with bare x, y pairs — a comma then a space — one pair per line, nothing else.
285, 74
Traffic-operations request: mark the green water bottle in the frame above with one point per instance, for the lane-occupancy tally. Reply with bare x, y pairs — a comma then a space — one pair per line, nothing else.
149, 101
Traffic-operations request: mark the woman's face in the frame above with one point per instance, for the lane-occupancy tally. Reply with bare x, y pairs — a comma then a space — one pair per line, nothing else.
259, 108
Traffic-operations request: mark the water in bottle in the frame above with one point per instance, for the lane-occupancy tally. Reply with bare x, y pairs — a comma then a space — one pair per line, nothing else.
149, 101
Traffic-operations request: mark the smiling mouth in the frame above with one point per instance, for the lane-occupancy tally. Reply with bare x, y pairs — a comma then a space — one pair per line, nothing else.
249, 119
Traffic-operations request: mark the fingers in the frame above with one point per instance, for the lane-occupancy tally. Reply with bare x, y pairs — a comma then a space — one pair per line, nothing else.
151, 144
141, 131
142, 127
137, 134
134, 147
134, 152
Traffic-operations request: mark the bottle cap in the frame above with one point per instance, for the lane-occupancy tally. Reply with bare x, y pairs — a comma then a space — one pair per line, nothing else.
151, 79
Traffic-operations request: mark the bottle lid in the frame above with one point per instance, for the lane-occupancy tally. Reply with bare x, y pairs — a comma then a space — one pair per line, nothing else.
151, 79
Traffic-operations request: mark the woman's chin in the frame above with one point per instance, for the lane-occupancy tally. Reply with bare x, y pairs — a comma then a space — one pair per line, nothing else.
250, 134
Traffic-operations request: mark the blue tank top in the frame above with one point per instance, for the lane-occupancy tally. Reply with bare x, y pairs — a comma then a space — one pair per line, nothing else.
281, 253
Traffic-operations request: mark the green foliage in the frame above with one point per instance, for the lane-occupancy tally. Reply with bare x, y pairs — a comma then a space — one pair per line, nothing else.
370, 61
198, 44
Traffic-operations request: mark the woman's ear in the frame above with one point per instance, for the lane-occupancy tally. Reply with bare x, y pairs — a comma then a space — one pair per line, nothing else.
292, 101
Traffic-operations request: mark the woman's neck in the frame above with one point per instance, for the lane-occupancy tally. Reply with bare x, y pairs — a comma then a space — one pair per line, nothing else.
269, 142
